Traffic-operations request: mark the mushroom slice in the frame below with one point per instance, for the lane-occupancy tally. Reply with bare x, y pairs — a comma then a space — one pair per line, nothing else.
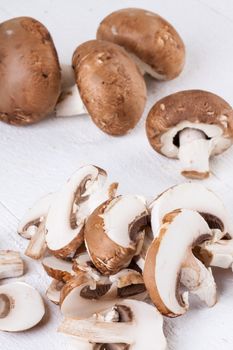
110, 85
83, 263
82, 295
59, 269
11, 264
120, 327
71, 206
30, 223
21, 307
219, 254
114, 232
191, 125
152, 42
192, 196
53, 293
180, 232
37, 245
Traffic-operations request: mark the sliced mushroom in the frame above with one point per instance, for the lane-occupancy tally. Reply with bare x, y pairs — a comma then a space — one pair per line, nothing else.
37, 245
83, 263
128, 324
71, 206
30, 72
193, 196
30, 223
111, 88
151, 41
114, 232
59, 269
191, 125
53, 293
11, 264
21, 307
180, 232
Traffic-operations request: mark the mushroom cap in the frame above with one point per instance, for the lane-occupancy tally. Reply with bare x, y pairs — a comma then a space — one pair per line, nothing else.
110, 85
147, 36
201, 110
180, 231
192, 196
29, 71
114, 232
26, 307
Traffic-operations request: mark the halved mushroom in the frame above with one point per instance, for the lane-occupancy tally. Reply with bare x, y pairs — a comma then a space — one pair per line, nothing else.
11, 264
29, 61
114, 232
180, 232
193, 196
110, 88
34, 217
151, 41
191, 125
53, 292
71, 206
129, 324
21, 307
59, 269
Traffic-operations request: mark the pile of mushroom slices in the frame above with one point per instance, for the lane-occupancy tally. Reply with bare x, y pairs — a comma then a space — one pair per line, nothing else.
17, 299
86, 237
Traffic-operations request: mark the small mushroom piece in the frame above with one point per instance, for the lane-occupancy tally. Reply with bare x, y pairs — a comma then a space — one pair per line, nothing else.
129, 324
219, 254
153, 43
82, 262
192, 196
21, 307
191, 125
59, 269
53, 292
114, 232
29, 72
180, 232
112, 90
11, 264
37, 245
71, 206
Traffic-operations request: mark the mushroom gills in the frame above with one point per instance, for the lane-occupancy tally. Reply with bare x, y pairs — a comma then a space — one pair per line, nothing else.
194, 152
70, 103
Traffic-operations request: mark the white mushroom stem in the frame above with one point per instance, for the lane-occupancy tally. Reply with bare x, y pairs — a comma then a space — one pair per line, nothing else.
37, 245
194, 151
70, 103
219, 254
11, 264
199, 280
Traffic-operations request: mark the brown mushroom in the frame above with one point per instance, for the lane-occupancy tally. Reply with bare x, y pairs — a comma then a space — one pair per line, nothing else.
152, 42
29, 71
191, 125
111, 88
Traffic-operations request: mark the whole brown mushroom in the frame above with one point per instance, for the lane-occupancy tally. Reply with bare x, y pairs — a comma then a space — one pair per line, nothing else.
29, 71
152, 42
110, 88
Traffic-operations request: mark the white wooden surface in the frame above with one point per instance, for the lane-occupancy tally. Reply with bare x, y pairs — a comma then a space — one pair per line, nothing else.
38, 159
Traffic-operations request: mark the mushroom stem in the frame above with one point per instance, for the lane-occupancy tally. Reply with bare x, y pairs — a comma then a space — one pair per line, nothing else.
194, 153
37, 245
70, 103
4, 305
219, 254
11, 264
98, 332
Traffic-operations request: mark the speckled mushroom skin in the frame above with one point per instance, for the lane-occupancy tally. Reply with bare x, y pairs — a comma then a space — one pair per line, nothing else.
29, 71
111, 86
148, 36
195, 106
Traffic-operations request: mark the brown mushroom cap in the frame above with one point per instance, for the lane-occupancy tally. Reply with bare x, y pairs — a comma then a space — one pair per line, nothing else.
110, 85
29, 71
148, 36
194, 106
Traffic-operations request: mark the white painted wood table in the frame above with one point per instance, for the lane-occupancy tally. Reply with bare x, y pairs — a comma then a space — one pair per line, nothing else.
36, 160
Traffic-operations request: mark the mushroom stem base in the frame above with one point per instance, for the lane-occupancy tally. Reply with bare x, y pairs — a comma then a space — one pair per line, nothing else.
70, 103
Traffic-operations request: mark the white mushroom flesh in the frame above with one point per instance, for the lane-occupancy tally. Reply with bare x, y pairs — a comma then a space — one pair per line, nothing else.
220, 253
84, 263
11, 264
145, 68
143, 326
117, 216
37, 245
24, 309
59, 265
70, 103
54, 291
